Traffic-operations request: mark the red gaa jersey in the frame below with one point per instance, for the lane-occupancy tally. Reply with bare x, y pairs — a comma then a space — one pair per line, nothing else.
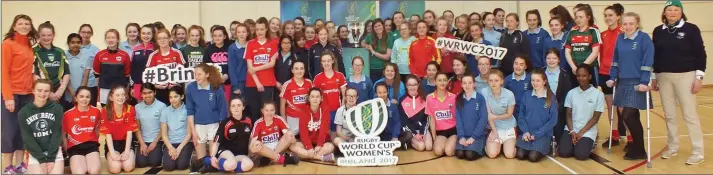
119, 124
296, 96
261, 54
606, 49
314, 127
79, 125
173, 58
269, 135
331, 88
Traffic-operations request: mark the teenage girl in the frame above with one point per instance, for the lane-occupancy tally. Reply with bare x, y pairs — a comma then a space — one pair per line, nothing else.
612, 16
81, 64
118, 123
400, 52
585, 104
393, 82
285, 59
430, 18
41, 128
82, 147
314, 130
288, 28
500, 20
216, 54
537, 37
379, 45
579, 50
471, 120
634, 49
538, 113
260, 56
429, 81
519, 81
274, 28
230, 148
484, 66
148, 135
393, 125
501, 107
236, 60
440, 107
558, 81
57, 68
194, 51
316, 50
293, 96
475, 18
412, 109
562, 13
461, 31
113, 64
447, 56
140, 57
359, 81
132, 38
179, 36
332, 84
489, 32
310, 33
86, 31
205, 113
164, 55
515, 41
422, 51
270, 138
476, 36
343, 133
559, 34
174, 132
459, 69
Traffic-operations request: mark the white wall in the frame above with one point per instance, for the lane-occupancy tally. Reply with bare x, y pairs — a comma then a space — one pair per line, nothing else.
103, 15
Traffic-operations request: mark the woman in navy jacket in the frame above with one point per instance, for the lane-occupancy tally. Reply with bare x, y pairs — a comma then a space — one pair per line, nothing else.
538, 114
471, 119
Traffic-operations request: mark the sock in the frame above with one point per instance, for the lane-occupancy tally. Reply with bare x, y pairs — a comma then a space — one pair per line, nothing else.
328, 157
281, 159
239, 168
629, 138
206, 161
221, 161
614, 134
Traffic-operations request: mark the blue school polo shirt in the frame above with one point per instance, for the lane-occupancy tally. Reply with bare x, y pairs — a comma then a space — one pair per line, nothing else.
583, 104
148, 116
77, 64
499, 105
175, 119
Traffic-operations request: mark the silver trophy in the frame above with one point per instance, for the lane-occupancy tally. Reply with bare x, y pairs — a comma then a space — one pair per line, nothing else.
356, 28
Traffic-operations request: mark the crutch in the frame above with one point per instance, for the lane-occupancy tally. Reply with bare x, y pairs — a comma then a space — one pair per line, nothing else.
611, 119
648, 127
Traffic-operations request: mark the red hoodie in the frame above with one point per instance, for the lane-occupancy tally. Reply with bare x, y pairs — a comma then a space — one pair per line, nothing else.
314, 127
422, 51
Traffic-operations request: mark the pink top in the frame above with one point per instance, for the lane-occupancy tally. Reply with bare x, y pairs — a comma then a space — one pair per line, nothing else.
443, 111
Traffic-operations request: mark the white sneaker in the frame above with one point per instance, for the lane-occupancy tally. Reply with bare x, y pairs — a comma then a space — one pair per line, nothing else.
694, 160
669, 154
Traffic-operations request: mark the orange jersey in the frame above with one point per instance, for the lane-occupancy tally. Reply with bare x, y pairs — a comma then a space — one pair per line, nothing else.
119, 125
80, 125
17, 59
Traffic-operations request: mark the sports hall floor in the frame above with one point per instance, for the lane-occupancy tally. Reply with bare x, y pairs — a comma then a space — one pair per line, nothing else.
601, 162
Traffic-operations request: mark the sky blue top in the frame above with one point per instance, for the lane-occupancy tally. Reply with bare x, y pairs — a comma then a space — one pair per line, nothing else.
148, 115
492, 36
400, 54
499, 105
553, 78
175, 118
77, 64
584, 103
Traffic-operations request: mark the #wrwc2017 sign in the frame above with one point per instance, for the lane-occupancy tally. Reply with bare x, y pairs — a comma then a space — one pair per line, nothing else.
367, 120
163, 74
466, 47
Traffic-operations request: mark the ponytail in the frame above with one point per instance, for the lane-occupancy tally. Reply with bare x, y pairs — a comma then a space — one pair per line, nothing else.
550, 94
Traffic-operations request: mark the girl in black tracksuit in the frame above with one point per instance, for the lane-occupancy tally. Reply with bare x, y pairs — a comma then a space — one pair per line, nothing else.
515, 41
412, 107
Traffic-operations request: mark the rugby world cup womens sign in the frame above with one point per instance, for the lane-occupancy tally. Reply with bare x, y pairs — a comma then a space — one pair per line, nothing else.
367, 120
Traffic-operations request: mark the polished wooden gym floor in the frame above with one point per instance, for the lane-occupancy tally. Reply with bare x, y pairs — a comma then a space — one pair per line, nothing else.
601, 162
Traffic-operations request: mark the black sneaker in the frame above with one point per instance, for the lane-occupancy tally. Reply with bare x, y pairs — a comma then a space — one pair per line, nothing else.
263, 161
626, 147
207, 169
615, 142
196, 166
638, 156
291, 160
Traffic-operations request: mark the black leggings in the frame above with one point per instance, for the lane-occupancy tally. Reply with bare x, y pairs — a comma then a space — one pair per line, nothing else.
632, 119
468, 155
181, 162
580, 151
255, 100
533, 156
561, 122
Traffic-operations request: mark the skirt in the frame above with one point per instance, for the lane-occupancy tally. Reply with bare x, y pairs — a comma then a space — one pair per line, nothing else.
477, 146
542, 145
627, 96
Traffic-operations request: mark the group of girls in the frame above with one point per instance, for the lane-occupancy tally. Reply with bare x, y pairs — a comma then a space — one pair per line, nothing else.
469, 106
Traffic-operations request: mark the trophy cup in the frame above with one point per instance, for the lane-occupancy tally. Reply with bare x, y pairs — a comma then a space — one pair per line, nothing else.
355, 26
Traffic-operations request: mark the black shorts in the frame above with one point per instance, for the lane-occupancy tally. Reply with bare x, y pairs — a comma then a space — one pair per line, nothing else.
446, 133
235, 152
603, 83
118, 147
83, 149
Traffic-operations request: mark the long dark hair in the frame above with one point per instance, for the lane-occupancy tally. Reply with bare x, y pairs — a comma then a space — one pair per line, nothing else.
226, 41
563, 13
459, 100
536, 13
375, 41
396, 85
421, 92
153, 33
587, 12
264, 21
33, 35
550, 94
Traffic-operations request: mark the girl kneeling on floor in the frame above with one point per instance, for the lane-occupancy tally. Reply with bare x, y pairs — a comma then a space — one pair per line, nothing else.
538, 115
471, 119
